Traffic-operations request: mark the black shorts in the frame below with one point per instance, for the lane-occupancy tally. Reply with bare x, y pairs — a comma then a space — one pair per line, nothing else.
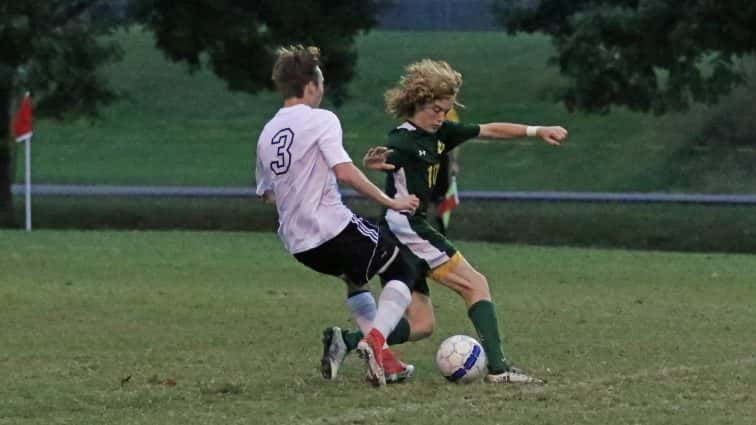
358, 253
418, 268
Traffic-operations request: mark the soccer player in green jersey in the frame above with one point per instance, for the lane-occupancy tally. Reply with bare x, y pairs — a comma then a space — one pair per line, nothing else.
422, 99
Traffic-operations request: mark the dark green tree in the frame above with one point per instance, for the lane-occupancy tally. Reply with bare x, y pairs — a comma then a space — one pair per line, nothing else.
237, 39
52, 49
55, 48
647, 55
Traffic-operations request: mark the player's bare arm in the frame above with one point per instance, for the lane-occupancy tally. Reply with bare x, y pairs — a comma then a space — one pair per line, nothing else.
348, 174
553, 135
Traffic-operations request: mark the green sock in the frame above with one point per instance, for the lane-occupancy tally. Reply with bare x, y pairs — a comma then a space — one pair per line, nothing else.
351, 338
399, 335
483, 316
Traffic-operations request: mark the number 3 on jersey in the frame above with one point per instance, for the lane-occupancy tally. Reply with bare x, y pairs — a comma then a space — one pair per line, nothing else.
282, 140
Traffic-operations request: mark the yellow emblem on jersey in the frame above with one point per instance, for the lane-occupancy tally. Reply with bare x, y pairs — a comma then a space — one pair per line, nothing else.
441, 146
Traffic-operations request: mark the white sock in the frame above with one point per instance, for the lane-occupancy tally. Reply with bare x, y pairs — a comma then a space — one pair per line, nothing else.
363, 308
394, 299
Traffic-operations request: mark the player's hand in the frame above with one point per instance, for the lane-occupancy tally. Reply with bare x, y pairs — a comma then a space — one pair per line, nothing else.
553, 135
268, 197
375, 159
405, 204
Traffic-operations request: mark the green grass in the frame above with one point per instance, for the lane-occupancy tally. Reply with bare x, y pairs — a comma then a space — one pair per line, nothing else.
623, 337
179, 128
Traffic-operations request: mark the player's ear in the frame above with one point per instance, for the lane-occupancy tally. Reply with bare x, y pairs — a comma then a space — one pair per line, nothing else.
309, 89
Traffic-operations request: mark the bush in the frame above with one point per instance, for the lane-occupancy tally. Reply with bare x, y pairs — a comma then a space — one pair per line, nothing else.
731, 122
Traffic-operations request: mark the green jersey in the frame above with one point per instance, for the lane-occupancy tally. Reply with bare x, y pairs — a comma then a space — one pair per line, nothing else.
417, 157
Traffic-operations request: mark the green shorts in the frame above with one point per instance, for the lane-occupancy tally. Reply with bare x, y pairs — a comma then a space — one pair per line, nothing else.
421, 245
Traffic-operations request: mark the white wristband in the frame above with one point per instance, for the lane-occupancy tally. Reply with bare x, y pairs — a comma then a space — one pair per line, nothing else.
532, 130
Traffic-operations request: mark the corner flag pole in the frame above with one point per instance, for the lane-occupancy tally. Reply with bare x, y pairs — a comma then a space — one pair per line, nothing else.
27, 144
22, 130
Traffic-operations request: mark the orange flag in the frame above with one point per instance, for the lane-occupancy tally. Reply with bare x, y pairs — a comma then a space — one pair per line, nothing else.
22, 122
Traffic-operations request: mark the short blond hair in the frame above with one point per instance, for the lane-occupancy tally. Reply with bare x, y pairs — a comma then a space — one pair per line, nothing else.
294, 68
423, 82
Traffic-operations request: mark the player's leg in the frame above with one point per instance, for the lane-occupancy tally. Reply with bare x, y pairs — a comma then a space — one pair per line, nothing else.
382, 365
351, 254
363, 307
396, 270
452, 270
337, 342
379, 256
421, 321
420, 317
458, 275
418, 321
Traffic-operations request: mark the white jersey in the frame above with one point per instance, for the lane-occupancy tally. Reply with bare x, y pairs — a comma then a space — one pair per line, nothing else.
295, 154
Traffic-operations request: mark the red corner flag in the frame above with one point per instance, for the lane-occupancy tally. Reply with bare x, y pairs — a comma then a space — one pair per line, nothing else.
22, 122
451, 200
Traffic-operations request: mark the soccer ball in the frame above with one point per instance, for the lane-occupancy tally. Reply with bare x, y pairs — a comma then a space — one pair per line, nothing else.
461, 359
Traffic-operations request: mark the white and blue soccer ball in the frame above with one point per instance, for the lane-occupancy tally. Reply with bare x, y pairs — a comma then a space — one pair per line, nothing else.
461, 359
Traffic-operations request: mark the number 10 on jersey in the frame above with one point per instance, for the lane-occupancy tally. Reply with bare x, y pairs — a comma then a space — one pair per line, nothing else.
433, 174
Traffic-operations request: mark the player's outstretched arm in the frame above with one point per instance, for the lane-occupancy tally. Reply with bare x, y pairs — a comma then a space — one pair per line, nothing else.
348, 174
553, 135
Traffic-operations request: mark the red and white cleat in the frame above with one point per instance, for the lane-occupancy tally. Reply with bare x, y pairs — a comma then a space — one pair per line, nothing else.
370, 348
394, 369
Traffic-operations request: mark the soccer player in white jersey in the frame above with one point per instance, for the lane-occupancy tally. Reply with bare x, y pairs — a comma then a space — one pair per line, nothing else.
300, 160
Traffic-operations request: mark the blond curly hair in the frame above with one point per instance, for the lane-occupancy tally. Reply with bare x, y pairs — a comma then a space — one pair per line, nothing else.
423, 82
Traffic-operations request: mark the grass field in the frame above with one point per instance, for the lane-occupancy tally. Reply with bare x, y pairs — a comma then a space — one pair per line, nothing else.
223, 328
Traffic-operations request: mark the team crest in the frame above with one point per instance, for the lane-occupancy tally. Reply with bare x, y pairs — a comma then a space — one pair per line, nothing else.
441, 146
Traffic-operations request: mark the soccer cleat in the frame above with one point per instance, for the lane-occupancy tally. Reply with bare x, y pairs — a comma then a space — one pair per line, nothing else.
334, 352
370, 349
394, 369
512, 376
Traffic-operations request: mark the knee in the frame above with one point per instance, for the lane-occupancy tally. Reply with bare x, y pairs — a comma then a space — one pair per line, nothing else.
422, 327
474, 289
421, 319
481, 288
481, 282
475, 284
